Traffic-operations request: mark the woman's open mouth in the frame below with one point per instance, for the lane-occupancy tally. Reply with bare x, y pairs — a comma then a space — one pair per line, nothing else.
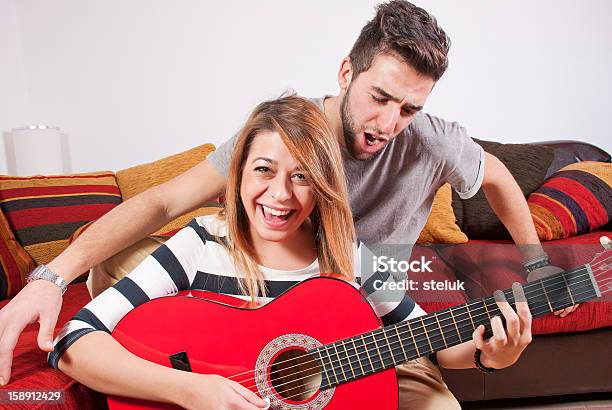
274, 217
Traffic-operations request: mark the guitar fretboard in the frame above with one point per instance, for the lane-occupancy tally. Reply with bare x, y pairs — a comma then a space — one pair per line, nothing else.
389, 346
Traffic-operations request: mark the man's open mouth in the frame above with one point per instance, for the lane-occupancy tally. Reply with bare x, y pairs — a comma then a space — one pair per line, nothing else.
371, 140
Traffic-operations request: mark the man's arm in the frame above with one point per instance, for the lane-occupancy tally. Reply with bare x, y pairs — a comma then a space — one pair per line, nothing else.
508, 202
124, 225
138, 217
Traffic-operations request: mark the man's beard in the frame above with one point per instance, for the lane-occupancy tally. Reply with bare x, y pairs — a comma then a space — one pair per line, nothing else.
348, 126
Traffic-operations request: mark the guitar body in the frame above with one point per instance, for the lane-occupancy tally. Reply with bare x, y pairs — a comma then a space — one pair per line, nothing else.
231, 340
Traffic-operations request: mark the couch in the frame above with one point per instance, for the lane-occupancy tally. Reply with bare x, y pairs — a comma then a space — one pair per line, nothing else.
567, 356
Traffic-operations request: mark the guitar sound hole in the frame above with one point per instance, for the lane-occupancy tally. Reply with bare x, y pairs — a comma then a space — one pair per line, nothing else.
295, 375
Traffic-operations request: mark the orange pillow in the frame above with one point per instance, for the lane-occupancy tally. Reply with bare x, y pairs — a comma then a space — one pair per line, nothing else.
440, 226
132, 181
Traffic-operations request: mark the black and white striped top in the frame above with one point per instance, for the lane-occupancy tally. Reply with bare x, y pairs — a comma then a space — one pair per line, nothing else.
192, 259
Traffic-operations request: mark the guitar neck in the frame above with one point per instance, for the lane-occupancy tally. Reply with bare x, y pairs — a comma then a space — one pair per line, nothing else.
387, 347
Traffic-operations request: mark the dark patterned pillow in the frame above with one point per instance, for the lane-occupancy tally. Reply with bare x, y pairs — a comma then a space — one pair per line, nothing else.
527, 163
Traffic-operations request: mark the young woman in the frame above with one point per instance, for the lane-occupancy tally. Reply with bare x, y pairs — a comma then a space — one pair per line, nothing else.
286, 219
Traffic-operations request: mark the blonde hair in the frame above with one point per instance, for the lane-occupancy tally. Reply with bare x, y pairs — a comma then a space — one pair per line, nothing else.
310, 140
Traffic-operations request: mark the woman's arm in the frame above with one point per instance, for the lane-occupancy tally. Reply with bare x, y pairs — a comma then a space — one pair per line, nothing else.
101, 363
169, 269
86, 351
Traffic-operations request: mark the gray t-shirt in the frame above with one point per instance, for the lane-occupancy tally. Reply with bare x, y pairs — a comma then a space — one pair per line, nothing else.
391, 194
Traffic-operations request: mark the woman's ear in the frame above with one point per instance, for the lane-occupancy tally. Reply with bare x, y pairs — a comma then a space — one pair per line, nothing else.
345, 75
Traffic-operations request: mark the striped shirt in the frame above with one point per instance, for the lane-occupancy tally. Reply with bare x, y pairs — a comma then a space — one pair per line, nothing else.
193, 260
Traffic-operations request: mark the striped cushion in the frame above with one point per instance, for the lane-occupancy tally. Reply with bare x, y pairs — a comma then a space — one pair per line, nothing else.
15, 262
575, 200
43, 211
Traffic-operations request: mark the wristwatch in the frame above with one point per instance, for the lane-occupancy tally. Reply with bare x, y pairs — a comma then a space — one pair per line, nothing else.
44, 273
537, 263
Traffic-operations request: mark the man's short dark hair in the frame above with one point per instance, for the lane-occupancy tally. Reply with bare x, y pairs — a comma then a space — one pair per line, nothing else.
406, 31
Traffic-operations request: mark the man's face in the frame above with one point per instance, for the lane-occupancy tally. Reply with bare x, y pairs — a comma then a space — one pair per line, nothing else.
380, 103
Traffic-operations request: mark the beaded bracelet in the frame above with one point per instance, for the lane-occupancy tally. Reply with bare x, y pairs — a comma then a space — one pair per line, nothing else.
479, 364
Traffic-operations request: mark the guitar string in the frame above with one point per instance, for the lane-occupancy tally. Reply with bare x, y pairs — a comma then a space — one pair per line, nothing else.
332, 362
604, 261
478, 301
313, 390
381, 361
377, 361
601, 274
419, 327
608, 265
608, 282
535, 308
528, 291
373, 335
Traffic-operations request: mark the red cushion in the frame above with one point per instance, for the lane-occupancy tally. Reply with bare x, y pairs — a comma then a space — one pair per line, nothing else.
31, 371
490, 265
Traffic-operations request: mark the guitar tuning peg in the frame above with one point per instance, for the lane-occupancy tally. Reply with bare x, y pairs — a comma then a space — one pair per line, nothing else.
605, 242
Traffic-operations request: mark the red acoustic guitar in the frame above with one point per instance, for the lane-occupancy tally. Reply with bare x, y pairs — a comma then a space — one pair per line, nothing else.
320, 344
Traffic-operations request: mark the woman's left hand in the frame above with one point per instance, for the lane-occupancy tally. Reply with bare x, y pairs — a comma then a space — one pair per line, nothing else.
506, 345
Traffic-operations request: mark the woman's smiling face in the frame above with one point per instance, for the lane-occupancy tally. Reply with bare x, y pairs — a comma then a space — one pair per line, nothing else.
275, 190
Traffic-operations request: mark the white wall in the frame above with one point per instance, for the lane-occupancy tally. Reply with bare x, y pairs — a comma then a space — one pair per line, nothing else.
527, 70
133, 81
14, 96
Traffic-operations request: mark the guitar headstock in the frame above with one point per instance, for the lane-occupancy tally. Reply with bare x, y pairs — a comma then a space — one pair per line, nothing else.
601, 265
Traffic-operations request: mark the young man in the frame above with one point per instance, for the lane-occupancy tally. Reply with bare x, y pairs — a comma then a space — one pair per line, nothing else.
395, 157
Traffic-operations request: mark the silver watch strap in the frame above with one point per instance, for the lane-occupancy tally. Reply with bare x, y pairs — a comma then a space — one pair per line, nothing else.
44, 273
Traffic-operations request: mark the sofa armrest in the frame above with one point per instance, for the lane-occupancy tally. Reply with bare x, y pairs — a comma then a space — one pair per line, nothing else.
568, 152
